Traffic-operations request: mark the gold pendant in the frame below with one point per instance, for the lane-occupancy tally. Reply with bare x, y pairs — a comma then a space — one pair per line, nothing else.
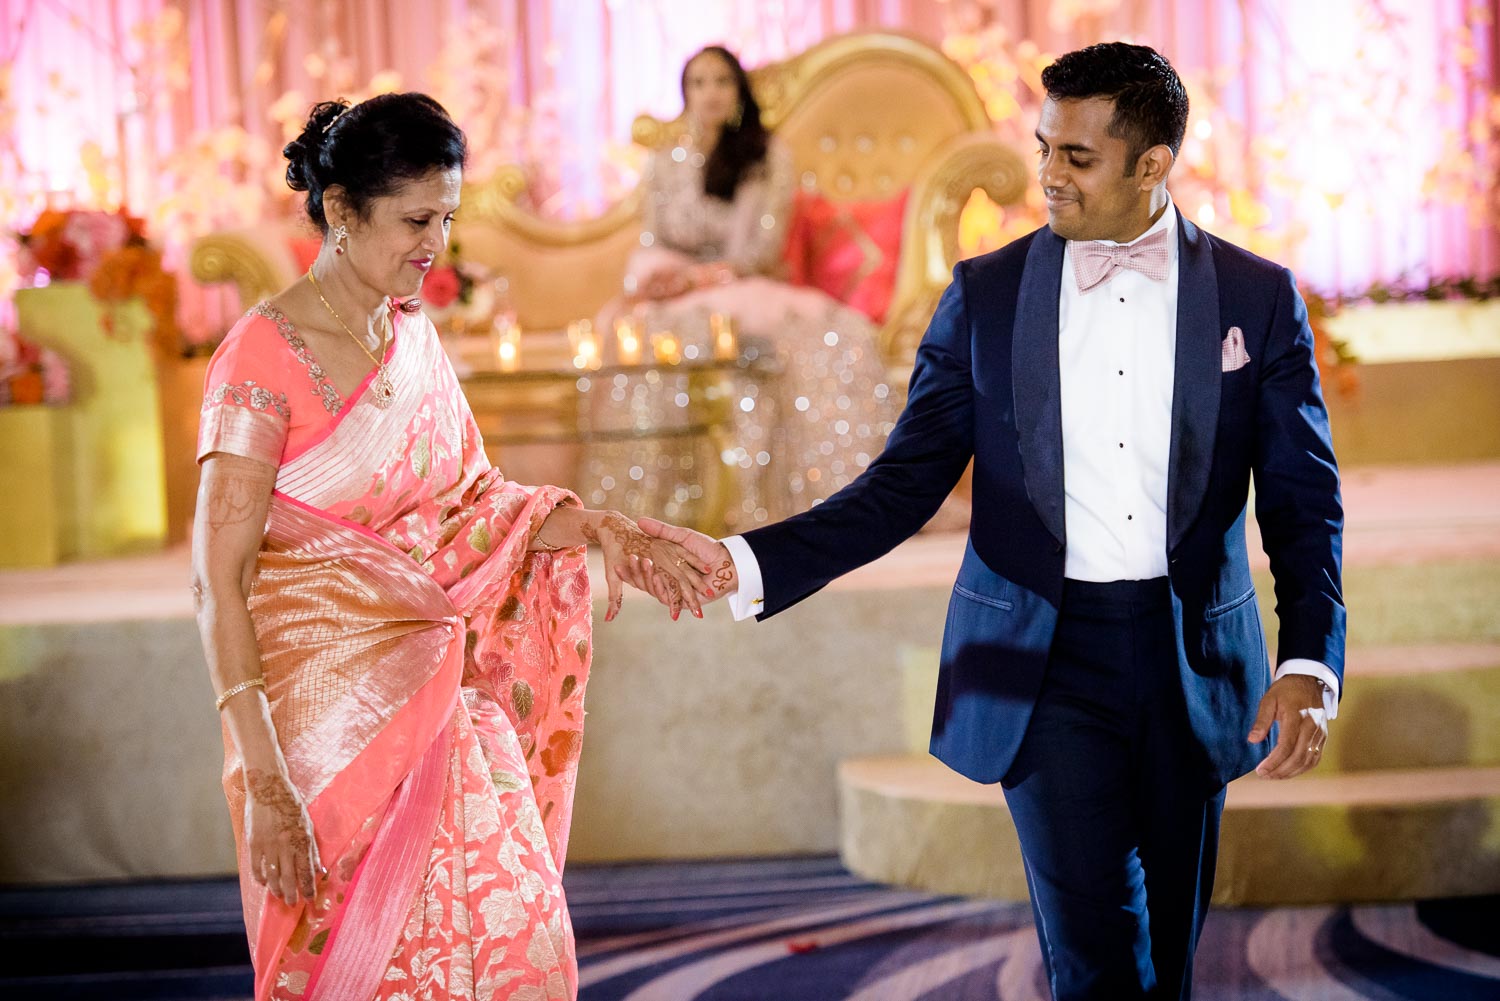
383, 390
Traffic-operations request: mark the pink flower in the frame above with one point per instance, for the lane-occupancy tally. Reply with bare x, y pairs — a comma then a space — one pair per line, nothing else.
95, 234
440, 287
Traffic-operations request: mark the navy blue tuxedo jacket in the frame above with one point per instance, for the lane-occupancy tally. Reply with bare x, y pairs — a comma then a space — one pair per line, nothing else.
985, 386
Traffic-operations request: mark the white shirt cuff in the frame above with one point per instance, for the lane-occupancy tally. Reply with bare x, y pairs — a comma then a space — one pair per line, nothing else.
750, 597
1301, 665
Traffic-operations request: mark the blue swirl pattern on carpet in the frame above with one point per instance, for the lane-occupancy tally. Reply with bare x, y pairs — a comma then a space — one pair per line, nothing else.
807, 930
785, 929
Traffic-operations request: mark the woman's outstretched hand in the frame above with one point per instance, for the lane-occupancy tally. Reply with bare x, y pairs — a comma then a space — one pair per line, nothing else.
708, 551
279, 837
661, 568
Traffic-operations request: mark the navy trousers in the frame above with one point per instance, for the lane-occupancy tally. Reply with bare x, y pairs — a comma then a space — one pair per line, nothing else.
1119, 846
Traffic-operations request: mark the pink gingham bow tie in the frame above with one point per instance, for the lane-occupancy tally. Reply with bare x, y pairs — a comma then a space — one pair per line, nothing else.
1095, 262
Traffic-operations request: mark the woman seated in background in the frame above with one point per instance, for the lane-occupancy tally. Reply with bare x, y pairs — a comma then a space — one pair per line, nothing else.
717, 211
400, 637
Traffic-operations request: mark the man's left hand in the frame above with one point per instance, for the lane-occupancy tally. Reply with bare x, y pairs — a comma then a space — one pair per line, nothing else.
1295, 702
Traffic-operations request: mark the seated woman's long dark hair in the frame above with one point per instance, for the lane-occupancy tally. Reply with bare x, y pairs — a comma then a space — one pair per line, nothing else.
741, 146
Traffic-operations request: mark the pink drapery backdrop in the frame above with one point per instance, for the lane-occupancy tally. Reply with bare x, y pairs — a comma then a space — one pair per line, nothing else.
1347, 137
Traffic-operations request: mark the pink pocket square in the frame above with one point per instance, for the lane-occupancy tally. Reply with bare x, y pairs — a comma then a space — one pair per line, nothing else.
1234, 356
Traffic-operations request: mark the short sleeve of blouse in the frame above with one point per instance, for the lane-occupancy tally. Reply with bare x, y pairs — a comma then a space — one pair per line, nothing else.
245, 408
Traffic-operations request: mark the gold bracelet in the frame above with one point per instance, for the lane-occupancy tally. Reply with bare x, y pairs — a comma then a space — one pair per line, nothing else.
242, 686
544, 545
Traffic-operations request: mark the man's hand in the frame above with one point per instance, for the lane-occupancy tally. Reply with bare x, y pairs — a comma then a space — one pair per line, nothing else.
712, 553
1295, 701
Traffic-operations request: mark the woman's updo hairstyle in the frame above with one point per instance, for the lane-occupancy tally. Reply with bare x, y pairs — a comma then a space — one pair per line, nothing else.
371, 149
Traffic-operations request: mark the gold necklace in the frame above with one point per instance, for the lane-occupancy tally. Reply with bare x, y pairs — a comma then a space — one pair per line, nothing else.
384, 392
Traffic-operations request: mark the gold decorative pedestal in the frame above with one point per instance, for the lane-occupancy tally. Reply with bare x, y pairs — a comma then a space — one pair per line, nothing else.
30, 502
105, 453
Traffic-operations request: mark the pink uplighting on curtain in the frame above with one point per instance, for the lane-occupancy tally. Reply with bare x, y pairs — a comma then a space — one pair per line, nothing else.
1354, 139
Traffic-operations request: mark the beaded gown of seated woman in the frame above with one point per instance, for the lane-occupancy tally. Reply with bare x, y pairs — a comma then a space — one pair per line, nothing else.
401, 637
815, 408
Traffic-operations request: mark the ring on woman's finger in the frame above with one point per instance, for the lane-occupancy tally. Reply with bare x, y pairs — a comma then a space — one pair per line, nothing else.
679, 561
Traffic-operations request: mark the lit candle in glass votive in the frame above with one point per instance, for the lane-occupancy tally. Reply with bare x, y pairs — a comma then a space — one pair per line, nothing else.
667, 348
628, 341
585, 344
505, 338
726, 347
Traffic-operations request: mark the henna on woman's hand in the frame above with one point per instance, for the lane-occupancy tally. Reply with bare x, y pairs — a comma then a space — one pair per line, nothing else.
673, 577
276, 794
633, 541
668, 591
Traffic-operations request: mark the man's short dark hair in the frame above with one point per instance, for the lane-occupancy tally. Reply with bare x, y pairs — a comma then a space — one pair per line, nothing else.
1151, 104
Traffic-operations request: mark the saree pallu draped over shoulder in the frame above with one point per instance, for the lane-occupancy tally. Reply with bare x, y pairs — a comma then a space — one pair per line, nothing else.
426, 677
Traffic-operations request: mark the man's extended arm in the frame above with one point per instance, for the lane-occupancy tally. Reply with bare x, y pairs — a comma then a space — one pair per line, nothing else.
924, 458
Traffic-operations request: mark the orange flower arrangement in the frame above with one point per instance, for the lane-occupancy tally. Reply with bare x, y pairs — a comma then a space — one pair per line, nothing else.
47, 246
135, 270
110, 252
70, 244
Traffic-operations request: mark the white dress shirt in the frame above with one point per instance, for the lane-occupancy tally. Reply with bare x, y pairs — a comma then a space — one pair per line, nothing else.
1117, 345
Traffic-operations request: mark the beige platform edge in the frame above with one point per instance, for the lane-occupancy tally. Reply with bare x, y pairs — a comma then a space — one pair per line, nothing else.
1395, 835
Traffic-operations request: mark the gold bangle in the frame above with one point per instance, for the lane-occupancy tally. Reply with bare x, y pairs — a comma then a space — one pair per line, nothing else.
544, 545
242, 686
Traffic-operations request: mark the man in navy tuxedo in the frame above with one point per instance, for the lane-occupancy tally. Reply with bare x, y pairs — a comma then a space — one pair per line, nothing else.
1117, 378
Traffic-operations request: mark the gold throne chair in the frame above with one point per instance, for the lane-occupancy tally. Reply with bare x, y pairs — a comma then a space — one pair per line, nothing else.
864, 115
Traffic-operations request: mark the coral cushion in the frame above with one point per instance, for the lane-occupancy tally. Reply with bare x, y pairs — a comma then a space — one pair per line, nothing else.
847, 249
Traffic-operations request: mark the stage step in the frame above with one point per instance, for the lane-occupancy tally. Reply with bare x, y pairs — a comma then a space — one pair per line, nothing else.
1403, 806
1320, 838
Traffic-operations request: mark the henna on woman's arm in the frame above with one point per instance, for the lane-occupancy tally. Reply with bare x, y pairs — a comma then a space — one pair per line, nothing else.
235, 502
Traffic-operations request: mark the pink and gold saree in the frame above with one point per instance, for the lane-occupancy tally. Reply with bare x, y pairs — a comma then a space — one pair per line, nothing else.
425, 674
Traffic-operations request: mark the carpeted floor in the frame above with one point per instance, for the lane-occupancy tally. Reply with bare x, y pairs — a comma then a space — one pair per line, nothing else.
784, 929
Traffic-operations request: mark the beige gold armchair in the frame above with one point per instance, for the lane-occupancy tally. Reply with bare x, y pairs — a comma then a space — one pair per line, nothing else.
865, 115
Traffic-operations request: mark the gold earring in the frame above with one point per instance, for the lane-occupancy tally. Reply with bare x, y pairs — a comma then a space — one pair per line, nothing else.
738, 116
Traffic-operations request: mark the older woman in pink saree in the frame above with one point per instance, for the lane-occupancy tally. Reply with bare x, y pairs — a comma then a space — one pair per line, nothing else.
400, 637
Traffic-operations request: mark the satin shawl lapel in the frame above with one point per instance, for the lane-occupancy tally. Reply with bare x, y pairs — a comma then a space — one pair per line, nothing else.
1195, 386
1035, 380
